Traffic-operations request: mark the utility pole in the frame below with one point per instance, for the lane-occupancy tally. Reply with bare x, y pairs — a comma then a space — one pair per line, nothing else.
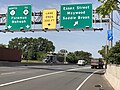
110, 27
109, 42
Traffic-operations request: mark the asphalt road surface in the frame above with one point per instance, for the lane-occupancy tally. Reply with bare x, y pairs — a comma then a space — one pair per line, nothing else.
52, 77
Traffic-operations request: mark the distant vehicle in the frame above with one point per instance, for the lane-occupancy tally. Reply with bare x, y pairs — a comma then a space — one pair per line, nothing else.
81, 62
96, 63
53, 58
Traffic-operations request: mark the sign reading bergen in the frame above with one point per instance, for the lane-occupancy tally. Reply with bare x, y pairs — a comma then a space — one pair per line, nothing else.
49, 18
19, 17
76, 16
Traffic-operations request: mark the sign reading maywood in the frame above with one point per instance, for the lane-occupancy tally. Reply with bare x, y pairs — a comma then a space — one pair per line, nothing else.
19, 17
76, 16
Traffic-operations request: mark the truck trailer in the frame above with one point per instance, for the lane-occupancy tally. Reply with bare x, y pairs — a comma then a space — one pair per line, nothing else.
11, 55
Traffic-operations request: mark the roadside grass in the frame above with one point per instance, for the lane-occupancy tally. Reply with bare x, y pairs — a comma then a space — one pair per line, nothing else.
32, 61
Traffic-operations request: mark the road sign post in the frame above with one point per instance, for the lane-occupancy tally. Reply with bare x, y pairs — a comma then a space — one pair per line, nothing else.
19, 17
76, 16
49, 19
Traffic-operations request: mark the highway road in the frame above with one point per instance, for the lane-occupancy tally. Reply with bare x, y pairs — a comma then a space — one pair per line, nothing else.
52, 77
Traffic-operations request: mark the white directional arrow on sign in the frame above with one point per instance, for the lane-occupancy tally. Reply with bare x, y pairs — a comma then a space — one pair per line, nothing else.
76, 23
27, 26
9, 26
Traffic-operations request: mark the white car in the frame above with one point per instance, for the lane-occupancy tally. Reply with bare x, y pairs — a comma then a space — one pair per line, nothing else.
81, 62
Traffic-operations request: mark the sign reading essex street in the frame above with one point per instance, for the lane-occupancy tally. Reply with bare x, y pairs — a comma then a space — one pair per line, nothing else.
49, 19
76, 16
19, 17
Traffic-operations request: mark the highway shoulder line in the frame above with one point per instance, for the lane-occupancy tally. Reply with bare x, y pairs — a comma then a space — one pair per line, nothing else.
87, 79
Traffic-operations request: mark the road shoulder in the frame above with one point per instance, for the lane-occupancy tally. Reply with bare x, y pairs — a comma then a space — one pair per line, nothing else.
95, 81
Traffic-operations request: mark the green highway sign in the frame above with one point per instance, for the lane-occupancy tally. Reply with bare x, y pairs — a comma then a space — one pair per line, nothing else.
76, 16
19, 17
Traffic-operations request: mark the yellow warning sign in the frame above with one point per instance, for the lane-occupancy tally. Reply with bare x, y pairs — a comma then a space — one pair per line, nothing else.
49, 18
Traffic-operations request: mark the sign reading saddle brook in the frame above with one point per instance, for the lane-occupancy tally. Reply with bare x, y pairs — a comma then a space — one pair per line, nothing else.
19, 17
76, 16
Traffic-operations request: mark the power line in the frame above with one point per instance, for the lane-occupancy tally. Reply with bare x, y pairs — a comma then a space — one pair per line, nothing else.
116, 28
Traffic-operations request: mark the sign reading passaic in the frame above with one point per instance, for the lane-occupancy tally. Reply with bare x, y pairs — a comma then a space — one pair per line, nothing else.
19, 17
76, 16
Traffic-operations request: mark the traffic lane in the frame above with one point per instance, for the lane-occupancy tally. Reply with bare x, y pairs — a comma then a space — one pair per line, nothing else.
21, 68
68, 80
10, 69
25, 73
14, 73
95, 81
31, 72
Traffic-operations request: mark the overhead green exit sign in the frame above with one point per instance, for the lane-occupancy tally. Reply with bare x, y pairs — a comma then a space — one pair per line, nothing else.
19, 17
76, 16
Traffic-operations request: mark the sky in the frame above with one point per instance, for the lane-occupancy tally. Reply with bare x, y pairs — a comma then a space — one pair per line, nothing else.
88, 41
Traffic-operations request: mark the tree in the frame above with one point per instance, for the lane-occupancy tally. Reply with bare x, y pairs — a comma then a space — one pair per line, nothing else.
114, 54
107, 7
103, 52
2, 46
63, 51
73, 57
32, 47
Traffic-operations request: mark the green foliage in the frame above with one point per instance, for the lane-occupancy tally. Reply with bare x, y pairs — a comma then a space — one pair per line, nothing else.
2, 46
114, 54
32, 47
63, 51
102, 52
77, 55
41, 55
71, 58
107, 7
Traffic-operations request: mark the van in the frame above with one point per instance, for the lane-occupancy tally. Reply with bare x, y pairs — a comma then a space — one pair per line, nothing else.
81, 62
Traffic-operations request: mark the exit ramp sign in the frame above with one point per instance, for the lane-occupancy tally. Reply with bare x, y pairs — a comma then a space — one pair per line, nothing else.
19, 17
76, 16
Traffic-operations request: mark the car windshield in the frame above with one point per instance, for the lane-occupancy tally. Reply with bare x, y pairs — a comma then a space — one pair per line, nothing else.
59, 45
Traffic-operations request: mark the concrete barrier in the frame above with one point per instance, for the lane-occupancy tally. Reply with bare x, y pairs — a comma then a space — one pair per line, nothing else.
113, 76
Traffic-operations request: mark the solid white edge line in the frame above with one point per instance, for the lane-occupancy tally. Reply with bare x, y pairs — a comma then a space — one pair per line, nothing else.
22, 80
86, 80
26, 79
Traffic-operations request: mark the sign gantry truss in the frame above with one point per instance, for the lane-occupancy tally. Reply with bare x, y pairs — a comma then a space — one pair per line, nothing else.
37, 19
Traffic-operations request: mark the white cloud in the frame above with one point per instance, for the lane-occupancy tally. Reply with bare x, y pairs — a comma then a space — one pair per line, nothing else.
35, 9
76, 1
54, 5
3, 10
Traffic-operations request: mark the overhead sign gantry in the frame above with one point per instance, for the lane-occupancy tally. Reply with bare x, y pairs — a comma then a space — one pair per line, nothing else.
72, 17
